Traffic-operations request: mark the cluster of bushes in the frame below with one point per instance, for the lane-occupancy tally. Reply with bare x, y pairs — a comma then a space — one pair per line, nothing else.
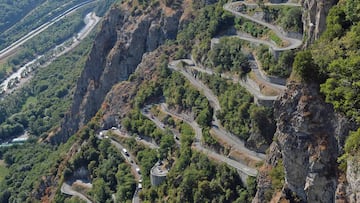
137, 123
238, 114
234, 115
235, 104
289, 17
227, 56
277, 176
281, 67
334, 60
250, 27
209, 21
179, 93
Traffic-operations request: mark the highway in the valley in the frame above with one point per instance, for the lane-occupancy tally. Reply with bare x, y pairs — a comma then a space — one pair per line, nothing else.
91, 21
11, 48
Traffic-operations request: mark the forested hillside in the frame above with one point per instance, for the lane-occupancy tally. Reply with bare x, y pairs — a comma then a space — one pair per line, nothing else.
12, 11
185, 101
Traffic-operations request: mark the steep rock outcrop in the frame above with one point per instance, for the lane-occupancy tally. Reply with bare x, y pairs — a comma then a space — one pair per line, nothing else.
125, 36
353, 179
314, 18
117, 102
308, 138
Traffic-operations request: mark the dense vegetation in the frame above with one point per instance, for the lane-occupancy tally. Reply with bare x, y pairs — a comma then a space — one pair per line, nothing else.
13, 11
251, 28
145, 157
228, 56
334, 60
179, 93
136, 123
282, 66
288, 17
28, 163
194, 178
37, 108
196, 35
42, 103
238, 113
107, 168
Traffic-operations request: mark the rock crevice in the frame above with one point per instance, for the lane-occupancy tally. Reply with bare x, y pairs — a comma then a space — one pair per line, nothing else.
314, 18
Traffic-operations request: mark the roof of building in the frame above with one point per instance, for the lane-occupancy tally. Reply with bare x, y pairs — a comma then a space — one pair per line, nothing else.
159, 170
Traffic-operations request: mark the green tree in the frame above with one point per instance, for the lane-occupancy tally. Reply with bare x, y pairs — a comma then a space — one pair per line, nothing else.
342, 88
336, 22
100, 190
353, 10
305, 67
167, 143
292, 20
352, 145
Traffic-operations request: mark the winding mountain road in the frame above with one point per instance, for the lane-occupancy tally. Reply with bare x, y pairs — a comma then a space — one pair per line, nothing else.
198, 136
233, 7
198, 146
293, 42
250, 85
67, 189
219, 131
130, 159
245, 83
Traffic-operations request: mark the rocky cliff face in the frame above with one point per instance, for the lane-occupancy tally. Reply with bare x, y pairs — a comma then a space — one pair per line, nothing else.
314, 18
118, 101
308, 138
126, 35
352, 192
